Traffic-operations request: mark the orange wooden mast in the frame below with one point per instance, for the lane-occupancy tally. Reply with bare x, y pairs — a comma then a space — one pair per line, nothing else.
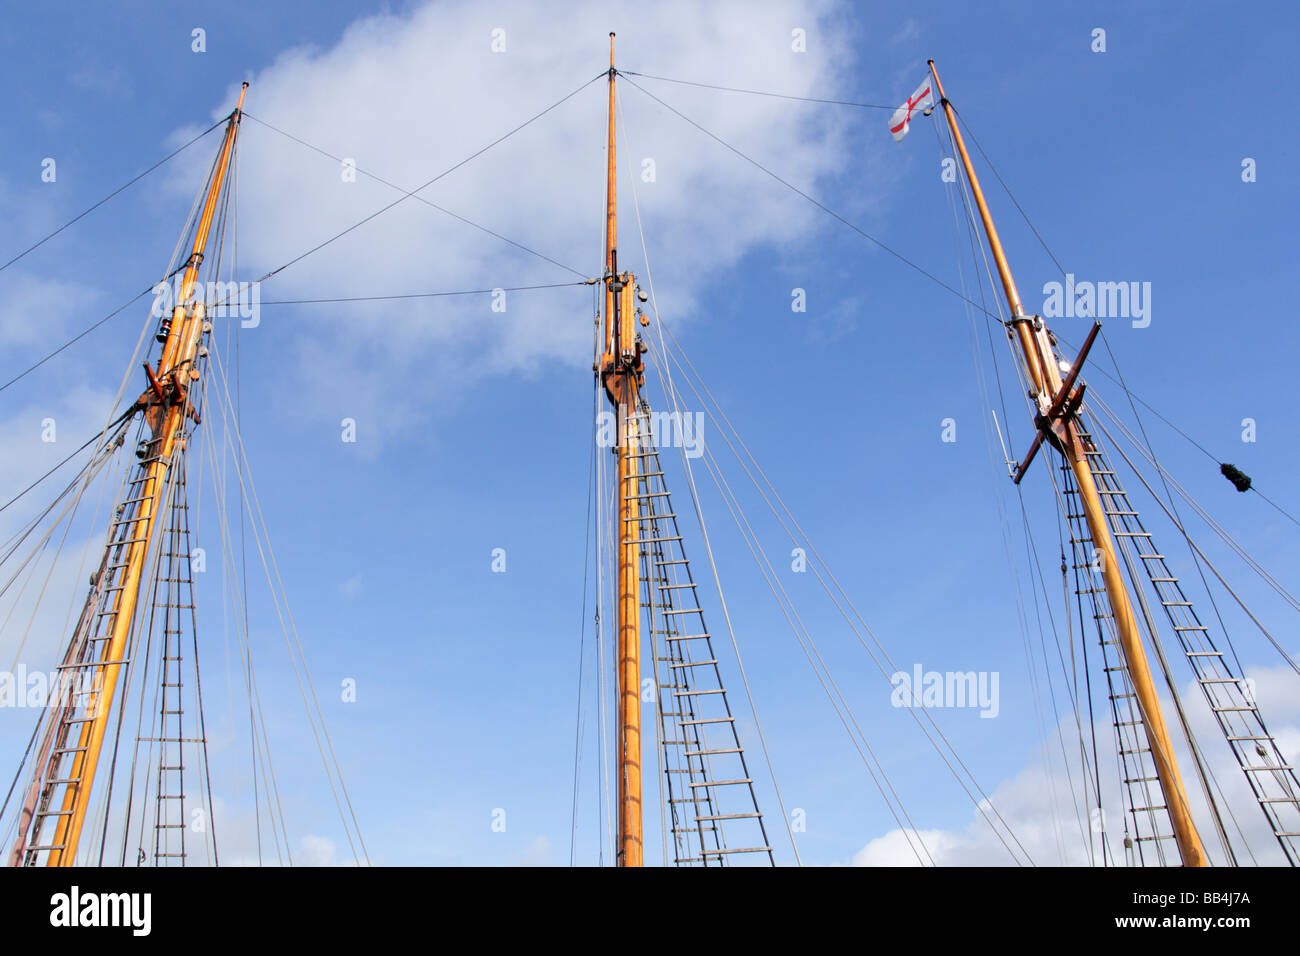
166, 405
621, 372
1057, 403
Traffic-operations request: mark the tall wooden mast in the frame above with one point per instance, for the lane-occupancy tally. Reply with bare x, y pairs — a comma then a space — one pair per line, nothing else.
621, 373
1057, 403
166, 406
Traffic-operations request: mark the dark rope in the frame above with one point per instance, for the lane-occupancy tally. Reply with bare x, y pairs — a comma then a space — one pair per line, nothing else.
424, 295
445, 172
780, 96
130, 411
380, 179
824, 208
119, 189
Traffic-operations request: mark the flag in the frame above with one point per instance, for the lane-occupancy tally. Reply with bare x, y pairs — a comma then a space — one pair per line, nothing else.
922, 99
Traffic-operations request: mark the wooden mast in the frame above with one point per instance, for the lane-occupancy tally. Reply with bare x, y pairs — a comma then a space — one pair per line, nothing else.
166, 405
1056, 412
621, 373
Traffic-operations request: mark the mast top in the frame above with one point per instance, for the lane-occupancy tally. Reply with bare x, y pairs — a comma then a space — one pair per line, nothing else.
990, 230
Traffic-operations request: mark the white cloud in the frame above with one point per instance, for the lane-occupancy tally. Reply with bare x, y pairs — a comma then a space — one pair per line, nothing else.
408, 96
316, 851
105, 80
1036, 802
35, 310
910, 30
537, 853
37, 611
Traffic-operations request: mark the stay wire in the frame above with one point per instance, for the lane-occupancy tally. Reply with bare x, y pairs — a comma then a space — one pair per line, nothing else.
582, 631
779, 96
1016, 202
78, 337
94, 438
849, 606
1057, 262
425, 295
411, 194
795, 189
129, 183
699, 515
441, 175
965, 219
1169, 496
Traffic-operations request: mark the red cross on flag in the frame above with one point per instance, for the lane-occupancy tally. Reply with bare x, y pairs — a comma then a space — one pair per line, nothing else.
922, 99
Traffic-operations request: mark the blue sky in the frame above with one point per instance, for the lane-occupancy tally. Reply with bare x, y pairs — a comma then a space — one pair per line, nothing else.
474, 436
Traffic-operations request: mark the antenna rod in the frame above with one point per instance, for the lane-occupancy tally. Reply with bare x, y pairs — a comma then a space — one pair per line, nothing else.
166, 405
1041, 359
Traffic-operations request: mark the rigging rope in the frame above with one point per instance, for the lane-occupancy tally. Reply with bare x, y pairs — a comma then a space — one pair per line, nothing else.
78, 337
997, 175
1197, 551
428, 295
172, 269
795, 189
780, 96
126, 185
412, 195
582, 625
445, 172
965, 217
303, 675
1242, 483
847, 607
125, 415
699, 514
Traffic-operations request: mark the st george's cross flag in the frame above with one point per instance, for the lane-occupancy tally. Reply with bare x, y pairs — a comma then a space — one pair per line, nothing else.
922, 99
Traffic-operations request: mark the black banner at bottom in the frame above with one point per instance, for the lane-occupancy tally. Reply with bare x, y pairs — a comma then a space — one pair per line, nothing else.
373, 905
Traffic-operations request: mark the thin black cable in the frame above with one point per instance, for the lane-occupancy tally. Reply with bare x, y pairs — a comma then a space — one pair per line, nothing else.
972, 233
824, 208
1076, 541
322, 245
1057, 262
81, 335
424, 295
1010, 194
968, 219
419, 295
121, 188
40, 720
78, 337
582, 632
445, 172
780, 96
411, 194
1178, 518
121, 418
1133, 396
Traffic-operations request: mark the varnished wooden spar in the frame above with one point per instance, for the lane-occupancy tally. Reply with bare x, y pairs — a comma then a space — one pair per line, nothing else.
165, 405
621, 373
1057, 414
